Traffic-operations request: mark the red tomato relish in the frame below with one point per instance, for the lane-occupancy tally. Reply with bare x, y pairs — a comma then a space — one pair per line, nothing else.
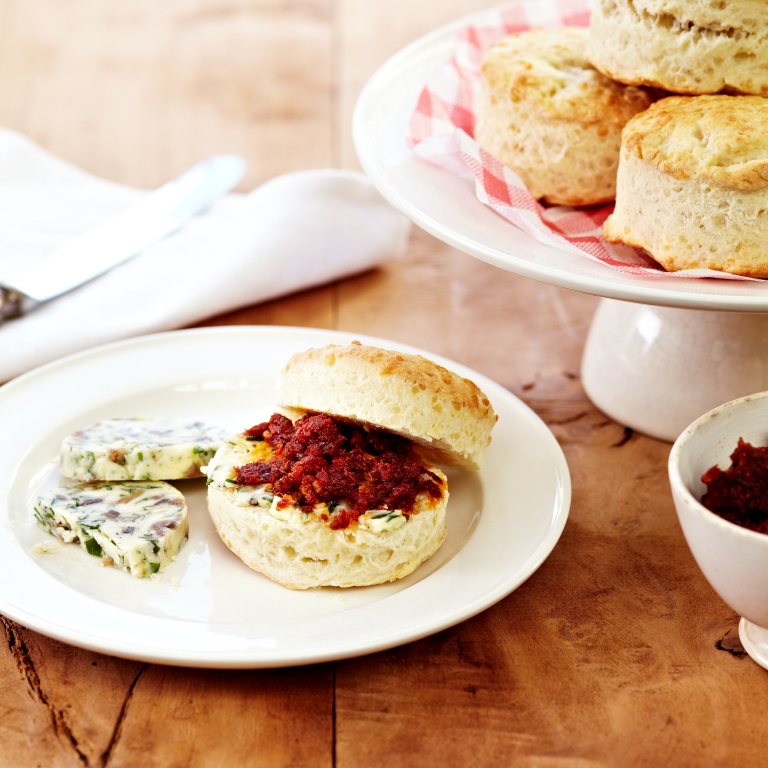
319, 459
740, 493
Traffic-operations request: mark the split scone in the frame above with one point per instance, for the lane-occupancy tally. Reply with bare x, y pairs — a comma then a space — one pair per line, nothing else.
140, 449
693, 184
347, 494
682, 46
547, 114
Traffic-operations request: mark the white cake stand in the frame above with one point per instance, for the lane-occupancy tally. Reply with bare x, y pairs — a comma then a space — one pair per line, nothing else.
661, 350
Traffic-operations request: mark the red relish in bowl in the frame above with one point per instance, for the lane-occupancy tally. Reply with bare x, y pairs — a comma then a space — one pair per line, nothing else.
739, 494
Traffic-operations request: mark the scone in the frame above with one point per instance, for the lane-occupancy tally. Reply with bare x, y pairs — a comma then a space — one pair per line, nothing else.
552, 118
693, 184
683, 46
332, 497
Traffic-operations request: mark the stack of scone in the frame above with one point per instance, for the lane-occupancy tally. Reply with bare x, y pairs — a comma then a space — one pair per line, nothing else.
689, 173
346, 492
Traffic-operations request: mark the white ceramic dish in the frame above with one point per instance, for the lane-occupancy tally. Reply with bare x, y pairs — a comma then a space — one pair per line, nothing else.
733, 559
503, 522
446, 206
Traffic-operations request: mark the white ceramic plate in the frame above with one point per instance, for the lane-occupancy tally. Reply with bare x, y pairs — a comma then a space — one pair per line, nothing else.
503, 522
446, 206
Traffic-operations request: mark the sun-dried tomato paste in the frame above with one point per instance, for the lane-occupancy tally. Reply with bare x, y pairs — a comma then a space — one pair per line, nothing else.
740, 493
319, 459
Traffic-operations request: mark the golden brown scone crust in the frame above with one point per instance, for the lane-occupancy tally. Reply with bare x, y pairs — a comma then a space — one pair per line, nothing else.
547, 67
683, 46
448, 416
722, 139
693, 184
551, 117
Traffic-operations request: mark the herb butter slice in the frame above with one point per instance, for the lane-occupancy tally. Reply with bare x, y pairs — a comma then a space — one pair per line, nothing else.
140, 449
136, 527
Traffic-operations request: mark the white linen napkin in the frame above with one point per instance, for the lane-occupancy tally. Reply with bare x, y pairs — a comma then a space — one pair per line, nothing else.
293, 232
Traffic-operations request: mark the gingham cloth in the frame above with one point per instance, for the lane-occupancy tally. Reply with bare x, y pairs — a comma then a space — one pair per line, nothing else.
442, 125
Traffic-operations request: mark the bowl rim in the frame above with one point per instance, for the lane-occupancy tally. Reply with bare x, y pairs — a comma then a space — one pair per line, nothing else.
681, 490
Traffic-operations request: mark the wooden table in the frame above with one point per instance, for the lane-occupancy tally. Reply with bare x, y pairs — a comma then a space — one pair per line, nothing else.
616, 652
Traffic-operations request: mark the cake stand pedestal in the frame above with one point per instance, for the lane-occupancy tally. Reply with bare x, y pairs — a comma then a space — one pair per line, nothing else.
657, 369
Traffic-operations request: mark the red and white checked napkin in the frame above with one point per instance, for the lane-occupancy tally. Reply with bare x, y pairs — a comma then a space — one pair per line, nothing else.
442, 126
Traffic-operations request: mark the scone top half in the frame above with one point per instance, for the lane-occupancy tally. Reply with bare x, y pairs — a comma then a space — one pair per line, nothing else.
448, 417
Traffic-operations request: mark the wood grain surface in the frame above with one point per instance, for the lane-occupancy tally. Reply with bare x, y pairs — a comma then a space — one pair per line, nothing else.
616, 652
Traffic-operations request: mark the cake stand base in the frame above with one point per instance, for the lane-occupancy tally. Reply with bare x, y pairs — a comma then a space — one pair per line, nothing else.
755, 641
657, 369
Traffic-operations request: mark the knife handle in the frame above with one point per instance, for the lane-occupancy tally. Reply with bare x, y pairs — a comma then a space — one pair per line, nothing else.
11, 303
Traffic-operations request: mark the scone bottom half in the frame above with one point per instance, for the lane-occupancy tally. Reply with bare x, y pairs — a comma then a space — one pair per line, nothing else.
321, 502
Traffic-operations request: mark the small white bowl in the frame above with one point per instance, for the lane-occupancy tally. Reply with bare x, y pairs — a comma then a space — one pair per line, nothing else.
733, 559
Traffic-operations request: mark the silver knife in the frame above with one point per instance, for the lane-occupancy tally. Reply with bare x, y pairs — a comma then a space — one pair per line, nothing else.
120, 237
